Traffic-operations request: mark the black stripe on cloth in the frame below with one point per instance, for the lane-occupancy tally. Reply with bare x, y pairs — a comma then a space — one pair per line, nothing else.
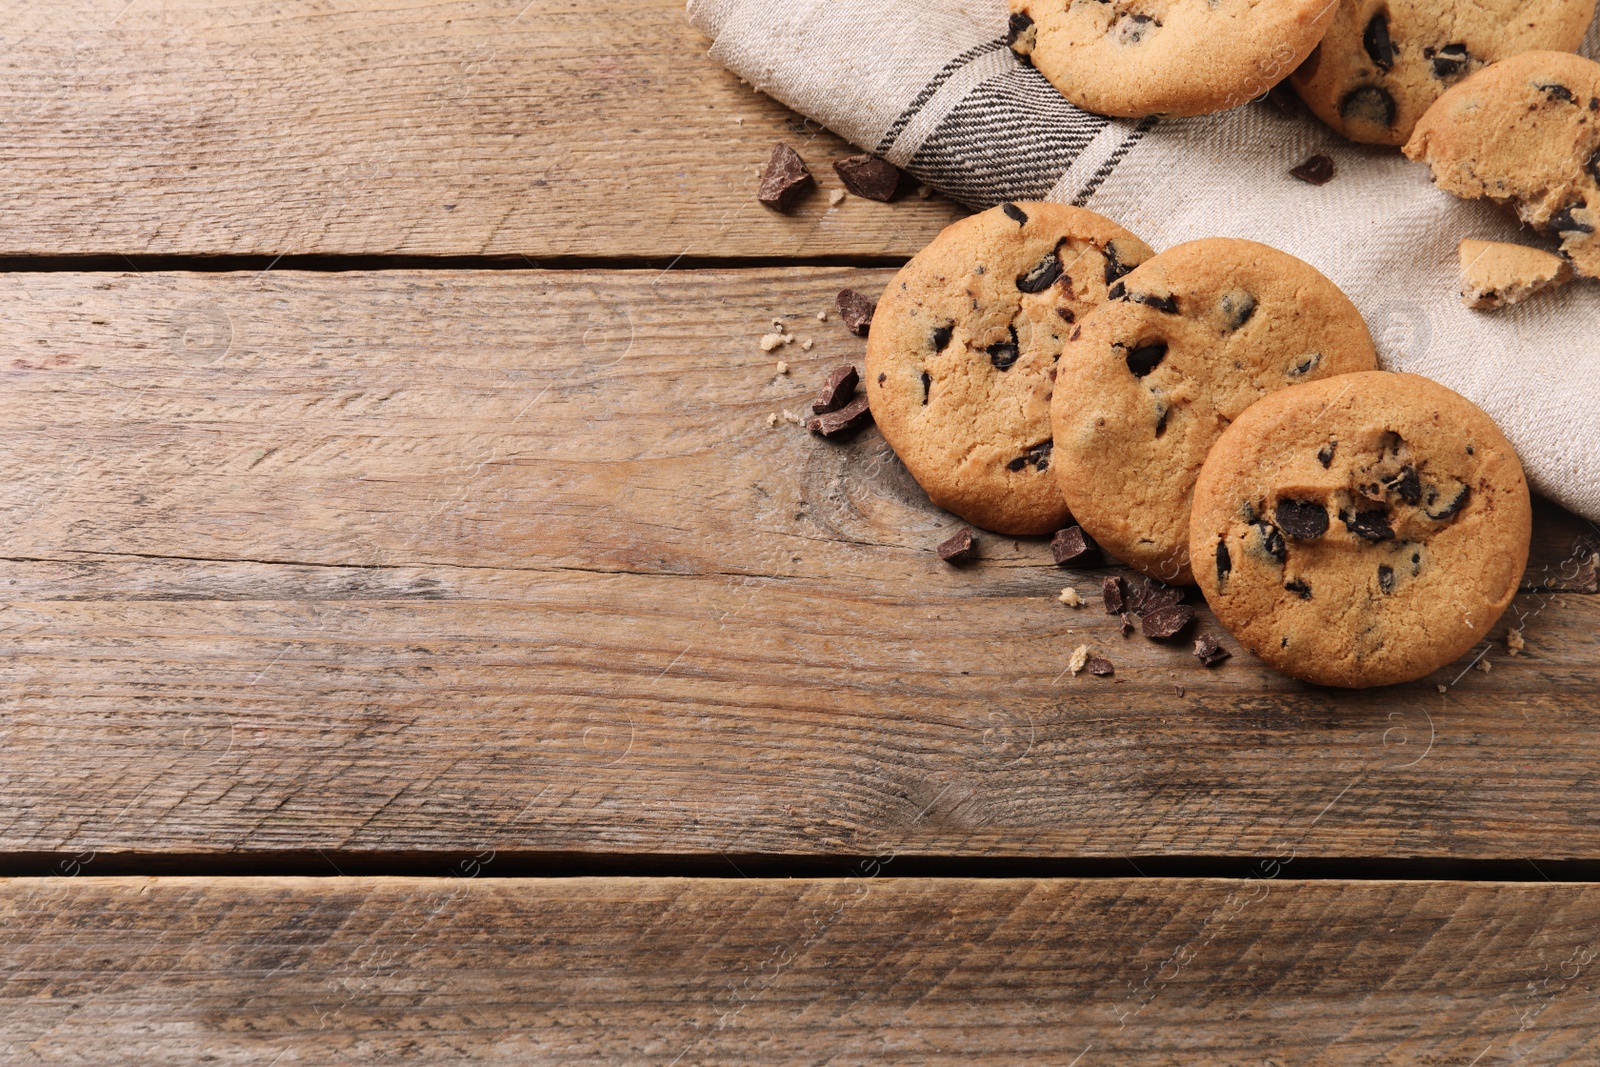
932, 87
1011, 138
1111, 162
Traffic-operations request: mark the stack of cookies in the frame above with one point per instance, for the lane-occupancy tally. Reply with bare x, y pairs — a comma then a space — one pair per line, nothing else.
1486, 92
1211, 415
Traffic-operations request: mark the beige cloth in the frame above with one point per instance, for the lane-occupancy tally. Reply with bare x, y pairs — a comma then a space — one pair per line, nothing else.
929, 85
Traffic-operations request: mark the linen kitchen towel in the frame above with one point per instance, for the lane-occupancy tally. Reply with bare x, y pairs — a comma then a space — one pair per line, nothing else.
931, 86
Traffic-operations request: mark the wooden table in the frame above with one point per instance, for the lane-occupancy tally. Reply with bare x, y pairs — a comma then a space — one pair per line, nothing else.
418, 644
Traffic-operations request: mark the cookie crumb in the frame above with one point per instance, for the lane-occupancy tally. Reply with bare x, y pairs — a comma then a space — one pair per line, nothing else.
1080, 657
1444, 689
1514, 642
958, 547
1495, 274
923, 192
783, 368
1484, 665
805, 346
791, 417
770, 341
772, 418
822, 316
836, 197
1101, 667
777, 324
1070, 597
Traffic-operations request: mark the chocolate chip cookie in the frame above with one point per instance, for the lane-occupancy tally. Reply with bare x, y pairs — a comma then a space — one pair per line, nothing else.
1384, 62
1362, 530
1188, 341
1524, 132
962, 355
1165, 57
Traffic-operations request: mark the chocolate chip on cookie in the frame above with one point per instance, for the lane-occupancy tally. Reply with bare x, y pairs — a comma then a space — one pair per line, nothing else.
1148, 382
963, 354
1382, 63
1524, 132
1178, 57
1423, 535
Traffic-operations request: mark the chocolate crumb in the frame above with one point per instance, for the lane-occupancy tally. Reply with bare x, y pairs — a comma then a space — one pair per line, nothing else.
1166, 622
1317, 170
842, 423
784, 178
1072, 545
1178, 689
836, 391
869, 177
1209, 651
1101, 667
1153, 595
1111, 592
958, 548
1127, 625
856, 310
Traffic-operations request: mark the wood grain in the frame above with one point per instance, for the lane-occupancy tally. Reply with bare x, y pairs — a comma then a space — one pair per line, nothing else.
536, 128
854, 970
513, 560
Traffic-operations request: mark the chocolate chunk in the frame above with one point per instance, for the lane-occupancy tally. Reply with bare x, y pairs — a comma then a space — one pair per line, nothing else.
1303, 520
1072, 545
1161, 420
1553, 91
1015, 213
1237, 308
1209, 651
927, 386
836, 391
1142, 359
1284, 101
784, 178
844, 422
884, 377
1038, 456
1305, 365
1368, 104
1153, 596
1316, 170
856, 311
1101, 667
1167, 304
1416, 564
942, 335
1166, 622
869, 177
1066, 315
1385, 578
1368, 525
1115, 268
1325, 454
1564, 222
1111, 592
1448, 61
1299, 588
959, 548
1407, 485
1005, 353
1594, 163
1379, 46
1127, 625
1224, 563
1020, 37
1131, 29
1450, 509
1272, 542
1042, 275
1390, 443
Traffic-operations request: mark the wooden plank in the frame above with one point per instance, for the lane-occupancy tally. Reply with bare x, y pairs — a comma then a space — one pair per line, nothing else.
512, 560
855, 970
532, 128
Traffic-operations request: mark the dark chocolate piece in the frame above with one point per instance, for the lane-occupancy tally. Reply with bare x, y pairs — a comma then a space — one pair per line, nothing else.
844, 422
958, 548
836, 391
1170, 621
1038, 456
784, 178
1042, 275
1142, 359
1407, 484
1237, 307
927, 386
1379, 47
1303, 520
1101, 667
1153, 595
1224, 563
1115, 268
1272, 542
1111, 592
1072, 545
1368, 104
1369, 525
1127, 624
1448, 61
1209, 651
869, 177
1161, 420
1564, 222
1450, 509
1284, 101
1325, 454
1553, 91
1005, 353
942, 335
1385, 578
1299, 588
856, 311
1015, 213
1020, 37
1316, 170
